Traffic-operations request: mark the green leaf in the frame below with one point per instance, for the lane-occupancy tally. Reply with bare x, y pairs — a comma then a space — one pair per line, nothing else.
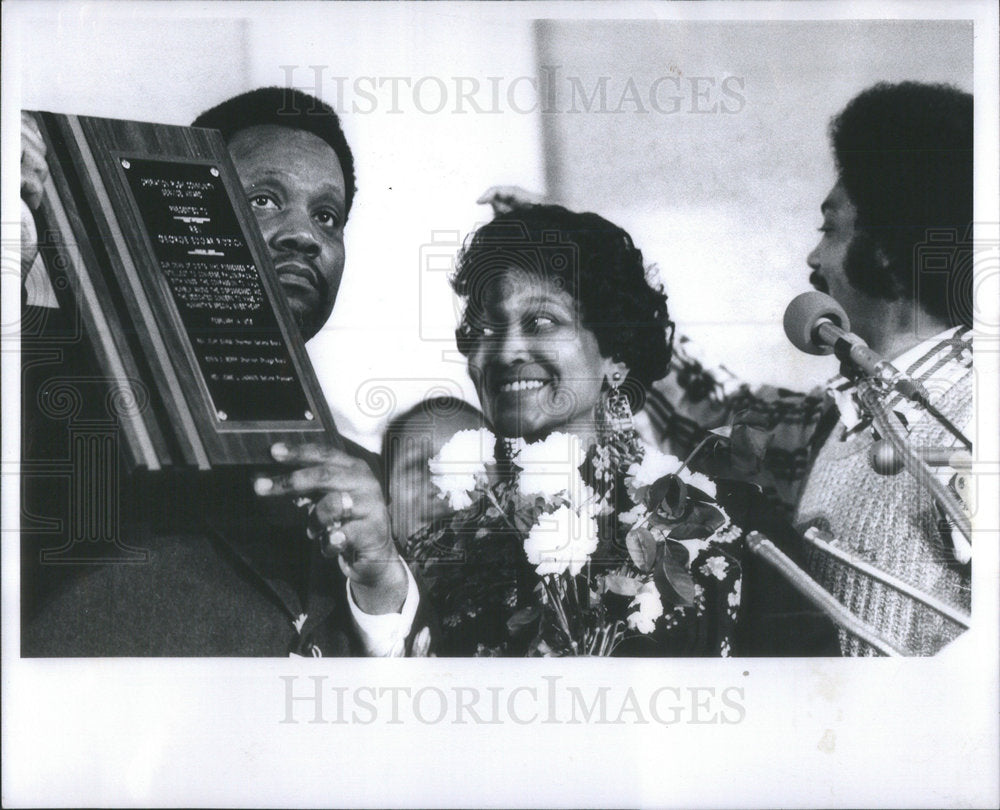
700, 520
540, 647
672, 577
523, 619
622, 585
668, 494
641, 547
748, 447
526, 518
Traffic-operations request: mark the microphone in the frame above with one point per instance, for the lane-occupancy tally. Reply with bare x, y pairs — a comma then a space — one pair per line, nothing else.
816, 324
886, 460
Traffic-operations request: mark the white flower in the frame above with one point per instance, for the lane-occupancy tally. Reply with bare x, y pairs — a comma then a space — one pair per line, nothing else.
551, 467
694, 546
456, 492
636, 513
598, 505
650, 609
461, 465
654, 466
728, 532
563, 540
735, 594
715, 566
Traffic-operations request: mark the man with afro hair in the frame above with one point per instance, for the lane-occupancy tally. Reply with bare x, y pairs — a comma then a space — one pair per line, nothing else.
895, 251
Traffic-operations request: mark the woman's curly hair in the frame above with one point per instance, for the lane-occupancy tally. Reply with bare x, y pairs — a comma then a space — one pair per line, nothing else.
593, 260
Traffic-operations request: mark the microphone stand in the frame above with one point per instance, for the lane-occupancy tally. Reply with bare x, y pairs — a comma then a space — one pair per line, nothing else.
763, 547
871, 391
875, 378
869, 394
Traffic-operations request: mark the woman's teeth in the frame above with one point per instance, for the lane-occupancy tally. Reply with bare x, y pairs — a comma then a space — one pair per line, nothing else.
521, 385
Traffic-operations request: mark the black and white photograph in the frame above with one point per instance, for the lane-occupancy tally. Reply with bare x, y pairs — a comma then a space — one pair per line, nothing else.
660, 334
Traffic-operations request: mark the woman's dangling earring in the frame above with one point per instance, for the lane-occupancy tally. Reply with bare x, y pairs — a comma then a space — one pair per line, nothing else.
618, 415
619, 412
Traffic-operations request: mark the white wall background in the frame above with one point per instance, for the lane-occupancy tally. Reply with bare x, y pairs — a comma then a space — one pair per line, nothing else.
726, 204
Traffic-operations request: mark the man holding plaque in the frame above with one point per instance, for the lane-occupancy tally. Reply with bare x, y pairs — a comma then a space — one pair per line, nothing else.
233, 567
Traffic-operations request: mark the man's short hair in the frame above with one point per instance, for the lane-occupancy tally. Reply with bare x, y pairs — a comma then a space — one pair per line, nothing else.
284, 107
904, 156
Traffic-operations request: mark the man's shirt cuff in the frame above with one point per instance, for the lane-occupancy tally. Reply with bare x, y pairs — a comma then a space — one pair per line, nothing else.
384, 635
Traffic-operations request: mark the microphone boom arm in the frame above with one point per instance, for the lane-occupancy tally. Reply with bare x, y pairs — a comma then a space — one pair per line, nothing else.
916, 466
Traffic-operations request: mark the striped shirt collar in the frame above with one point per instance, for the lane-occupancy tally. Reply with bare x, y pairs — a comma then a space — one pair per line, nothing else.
930, 361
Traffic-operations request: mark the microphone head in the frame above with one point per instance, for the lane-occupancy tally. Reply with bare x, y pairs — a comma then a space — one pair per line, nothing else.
803, 315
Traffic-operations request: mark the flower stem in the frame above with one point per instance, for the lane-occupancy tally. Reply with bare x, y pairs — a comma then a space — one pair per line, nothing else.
595, 642
574, 589
493, 500
612, 639
551, 584
640, 523
696, 450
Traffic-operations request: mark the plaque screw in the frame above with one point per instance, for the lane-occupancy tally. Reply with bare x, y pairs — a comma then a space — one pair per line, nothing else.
126, 164
309, 415
214, 172
223, 416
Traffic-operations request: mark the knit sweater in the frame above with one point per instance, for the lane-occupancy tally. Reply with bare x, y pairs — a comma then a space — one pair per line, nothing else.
891, 522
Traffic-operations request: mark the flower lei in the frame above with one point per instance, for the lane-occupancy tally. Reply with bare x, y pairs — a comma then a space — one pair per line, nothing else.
562, 550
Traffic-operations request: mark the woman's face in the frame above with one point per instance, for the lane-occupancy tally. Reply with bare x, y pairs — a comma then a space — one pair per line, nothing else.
535, 367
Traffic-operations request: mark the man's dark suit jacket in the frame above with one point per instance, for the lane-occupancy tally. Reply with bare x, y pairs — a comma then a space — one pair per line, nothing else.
199, 565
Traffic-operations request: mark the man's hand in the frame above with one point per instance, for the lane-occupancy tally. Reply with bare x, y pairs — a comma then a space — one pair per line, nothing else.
505, 199
34, 171
348, 515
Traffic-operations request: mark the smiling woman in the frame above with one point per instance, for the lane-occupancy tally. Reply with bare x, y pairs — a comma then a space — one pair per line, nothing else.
558, 312
569, 536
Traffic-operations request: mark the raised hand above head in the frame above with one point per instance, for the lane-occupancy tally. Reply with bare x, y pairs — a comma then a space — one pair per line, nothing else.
34, 168
505, 199
34, 172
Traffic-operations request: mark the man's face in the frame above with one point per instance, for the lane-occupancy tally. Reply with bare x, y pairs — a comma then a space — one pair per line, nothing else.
295, 186
829, 259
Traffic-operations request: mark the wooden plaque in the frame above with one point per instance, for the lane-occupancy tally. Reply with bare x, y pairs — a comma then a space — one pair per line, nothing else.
146, 229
